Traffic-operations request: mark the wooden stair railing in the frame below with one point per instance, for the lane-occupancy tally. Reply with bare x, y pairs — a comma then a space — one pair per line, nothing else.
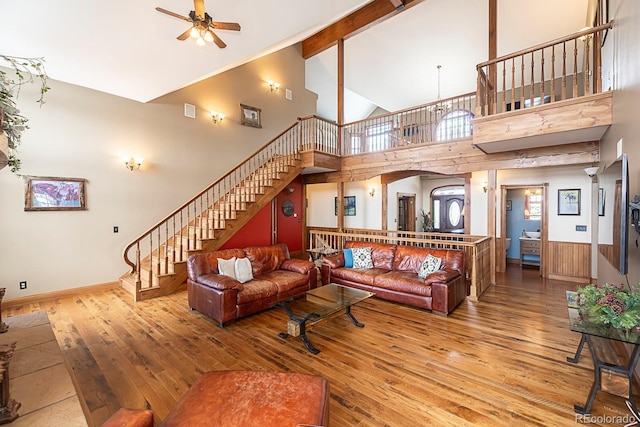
209, 219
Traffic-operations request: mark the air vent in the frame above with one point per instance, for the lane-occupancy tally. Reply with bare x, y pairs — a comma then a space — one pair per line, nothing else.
190, 111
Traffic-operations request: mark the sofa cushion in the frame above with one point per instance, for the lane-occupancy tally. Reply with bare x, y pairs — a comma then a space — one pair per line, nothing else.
381, 253
266, 258
242, 270
219, 282
255, 290
227, 267
429, 265
403, 281
364, 276
285, 280
361, 258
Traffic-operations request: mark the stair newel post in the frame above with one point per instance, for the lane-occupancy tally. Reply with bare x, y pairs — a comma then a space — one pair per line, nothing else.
173, 234
158, 261
137, 270
166, 247
150, 279
180, 240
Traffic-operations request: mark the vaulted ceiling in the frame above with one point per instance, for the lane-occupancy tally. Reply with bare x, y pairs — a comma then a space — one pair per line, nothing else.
128, 49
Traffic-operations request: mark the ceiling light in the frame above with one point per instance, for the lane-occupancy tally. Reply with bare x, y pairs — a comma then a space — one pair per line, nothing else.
208, 37
439, 107
200, 41
194, 32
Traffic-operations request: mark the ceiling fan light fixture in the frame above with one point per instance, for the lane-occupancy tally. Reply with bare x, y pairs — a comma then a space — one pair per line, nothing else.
194, 32
208, 36
200, 41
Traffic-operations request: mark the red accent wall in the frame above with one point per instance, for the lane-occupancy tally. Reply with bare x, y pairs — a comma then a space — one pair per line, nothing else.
290, 227
257, 232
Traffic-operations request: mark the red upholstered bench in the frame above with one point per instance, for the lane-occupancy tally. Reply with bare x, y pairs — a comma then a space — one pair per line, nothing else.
250, 398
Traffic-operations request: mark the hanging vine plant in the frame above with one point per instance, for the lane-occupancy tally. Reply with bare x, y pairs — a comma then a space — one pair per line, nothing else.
27, 70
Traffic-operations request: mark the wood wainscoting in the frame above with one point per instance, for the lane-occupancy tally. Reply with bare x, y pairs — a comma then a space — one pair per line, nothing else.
569, 261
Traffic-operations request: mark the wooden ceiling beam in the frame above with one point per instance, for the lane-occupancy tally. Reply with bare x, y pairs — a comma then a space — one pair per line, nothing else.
363, 18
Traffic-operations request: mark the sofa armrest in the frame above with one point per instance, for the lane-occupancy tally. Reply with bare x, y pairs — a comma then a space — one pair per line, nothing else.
219, 282
126, 417
334, 261
297, 265
446, 295
442, 276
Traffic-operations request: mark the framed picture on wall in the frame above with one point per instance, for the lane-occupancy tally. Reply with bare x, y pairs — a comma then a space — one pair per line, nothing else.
250, 116
54, 194
569, 202
349, 206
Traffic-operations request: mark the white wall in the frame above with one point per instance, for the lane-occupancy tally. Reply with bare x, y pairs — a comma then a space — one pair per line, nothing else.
83, 133
561, 228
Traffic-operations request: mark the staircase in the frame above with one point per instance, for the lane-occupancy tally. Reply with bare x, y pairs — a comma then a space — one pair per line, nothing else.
211, 218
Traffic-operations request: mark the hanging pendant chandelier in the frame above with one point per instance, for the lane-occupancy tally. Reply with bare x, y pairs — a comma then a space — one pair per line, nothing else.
440, 107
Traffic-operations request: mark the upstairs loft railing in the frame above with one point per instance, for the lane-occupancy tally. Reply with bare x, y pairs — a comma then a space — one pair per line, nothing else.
198, 219
442, 120
565, 68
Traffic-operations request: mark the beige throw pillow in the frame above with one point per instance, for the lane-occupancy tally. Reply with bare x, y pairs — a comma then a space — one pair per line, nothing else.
243, 270
227, 267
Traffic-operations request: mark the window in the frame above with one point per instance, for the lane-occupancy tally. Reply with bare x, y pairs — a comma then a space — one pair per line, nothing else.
533, 204
454, 125
378, 137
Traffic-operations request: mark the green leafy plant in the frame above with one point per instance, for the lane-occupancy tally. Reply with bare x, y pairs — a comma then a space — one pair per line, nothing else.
610, 304
427, 223
27, 70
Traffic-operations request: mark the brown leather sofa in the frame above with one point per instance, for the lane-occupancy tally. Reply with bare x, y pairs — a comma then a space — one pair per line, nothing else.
276, 277
394, 275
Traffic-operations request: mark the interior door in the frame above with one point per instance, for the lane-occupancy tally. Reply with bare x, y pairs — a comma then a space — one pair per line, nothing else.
407, 213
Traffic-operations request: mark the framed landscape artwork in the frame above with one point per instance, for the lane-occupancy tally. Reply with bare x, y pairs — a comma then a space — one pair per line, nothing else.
54, 194
349, 206
569, 202
250, 116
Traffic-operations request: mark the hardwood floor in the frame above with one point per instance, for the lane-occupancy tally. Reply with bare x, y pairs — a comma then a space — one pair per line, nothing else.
497, 362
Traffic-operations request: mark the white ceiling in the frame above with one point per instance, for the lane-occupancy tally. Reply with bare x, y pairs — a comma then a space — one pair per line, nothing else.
128, 49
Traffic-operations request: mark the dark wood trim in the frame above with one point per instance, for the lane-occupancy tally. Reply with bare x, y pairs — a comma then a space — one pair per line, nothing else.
358, 21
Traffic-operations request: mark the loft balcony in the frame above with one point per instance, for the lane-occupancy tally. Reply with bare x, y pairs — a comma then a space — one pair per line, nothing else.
527, 102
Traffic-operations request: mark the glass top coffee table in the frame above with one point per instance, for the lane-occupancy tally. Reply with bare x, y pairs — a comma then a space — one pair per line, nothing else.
317, 305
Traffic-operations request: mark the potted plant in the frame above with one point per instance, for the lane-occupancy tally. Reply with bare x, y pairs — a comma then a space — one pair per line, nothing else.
11, 121
610, 305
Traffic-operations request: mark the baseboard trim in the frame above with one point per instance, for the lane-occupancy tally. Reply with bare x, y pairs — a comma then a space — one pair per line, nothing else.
583, 280
32, 299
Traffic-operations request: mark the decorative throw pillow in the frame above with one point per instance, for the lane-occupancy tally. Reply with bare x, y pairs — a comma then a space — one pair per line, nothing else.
362, 258
243, 270
429, 265
348, 258
227, 267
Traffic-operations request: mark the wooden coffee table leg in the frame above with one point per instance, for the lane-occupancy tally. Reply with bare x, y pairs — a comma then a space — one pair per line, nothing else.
353, 319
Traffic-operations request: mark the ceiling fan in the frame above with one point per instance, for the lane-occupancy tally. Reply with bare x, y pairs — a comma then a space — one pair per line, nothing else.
202, 25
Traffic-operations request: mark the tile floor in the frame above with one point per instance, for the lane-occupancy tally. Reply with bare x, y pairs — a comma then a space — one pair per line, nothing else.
39, 378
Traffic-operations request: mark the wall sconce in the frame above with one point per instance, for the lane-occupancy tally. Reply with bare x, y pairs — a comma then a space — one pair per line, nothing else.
591, 172
290, 190
274, 86
217, 117
372, 191
132, 164
485, 186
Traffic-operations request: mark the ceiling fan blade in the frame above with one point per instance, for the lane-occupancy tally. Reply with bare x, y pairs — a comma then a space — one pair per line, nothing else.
199, 7
185, 35
175, 15
225, 26
217, 40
